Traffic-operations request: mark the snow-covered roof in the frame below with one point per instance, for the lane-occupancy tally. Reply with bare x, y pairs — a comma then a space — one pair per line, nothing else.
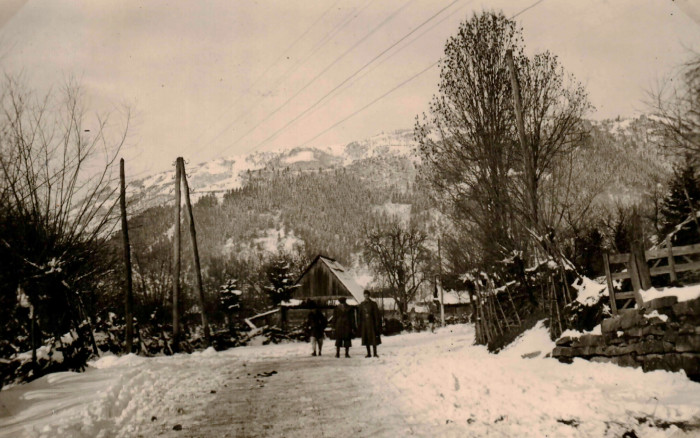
452, 297
342, 275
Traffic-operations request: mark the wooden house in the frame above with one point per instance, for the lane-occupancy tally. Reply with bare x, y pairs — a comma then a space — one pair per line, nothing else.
324, 281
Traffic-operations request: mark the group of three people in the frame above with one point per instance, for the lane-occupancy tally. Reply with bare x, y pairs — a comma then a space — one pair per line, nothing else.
369, 322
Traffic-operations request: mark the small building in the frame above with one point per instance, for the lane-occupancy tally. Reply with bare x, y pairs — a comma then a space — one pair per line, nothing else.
324, 281
457, 304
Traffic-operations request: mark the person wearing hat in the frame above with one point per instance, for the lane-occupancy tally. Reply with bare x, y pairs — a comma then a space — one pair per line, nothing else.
370, 324
342, 317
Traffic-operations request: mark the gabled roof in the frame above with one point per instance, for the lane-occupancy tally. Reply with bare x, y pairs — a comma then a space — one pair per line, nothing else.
350, 284
340, 273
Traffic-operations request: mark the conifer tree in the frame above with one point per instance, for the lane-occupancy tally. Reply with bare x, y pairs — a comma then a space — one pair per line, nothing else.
682, 199
230, 299
280, 280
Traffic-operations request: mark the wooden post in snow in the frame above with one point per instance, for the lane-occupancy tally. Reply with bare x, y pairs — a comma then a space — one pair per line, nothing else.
637, 265
128, 292
176, 263
442, 293
195, 250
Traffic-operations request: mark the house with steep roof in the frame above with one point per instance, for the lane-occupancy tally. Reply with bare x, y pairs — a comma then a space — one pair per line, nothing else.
324, 281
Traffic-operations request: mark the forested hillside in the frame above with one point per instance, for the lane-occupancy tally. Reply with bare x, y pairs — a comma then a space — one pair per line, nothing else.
325, 203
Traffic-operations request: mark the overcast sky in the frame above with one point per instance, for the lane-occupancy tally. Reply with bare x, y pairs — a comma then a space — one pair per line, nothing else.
217, 78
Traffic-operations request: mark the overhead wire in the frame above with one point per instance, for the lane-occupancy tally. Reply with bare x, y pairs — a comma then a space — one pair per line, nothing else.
322, 72
277, 79
356, 72
410, 79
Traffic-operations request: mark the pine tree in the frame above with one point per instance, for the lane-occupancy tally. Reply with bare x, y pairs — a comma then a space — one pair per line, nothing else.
684, 191
230, 299
281, 281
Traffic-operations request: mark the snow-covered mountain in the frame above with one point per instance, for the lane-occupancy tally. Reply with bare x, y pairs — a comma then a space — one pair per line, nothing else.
222, 174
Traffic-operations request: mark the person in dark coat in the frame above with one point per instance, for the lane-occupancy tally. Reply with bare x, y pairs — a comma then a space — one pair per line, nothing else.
431, 322
316, 323
343, 324
370, 324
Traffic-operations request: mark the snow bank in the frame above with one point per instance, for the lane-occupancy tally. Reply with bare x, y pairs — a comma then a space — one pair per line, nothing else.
110, 360
462, 390
597, 330
117, 397
531, 343
686, 293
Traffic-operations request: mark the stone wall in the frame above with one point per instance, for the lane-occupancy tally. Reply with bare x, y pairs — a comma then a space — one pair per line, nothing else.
663, 335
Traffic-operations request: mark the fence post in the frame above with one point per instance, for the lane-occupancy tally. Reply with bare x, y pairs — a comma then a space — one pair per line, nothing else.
637, 265
611, 289
671, 261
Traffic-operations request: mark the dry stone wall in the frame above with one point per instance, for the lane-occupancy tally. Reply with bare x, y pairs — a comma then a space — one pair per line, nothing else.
662, 335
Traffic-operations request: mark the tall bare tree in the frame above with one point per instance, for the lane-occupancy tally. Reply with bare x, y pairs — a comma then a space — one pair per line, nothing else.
489, 180
676, 107
57, 190
398, 254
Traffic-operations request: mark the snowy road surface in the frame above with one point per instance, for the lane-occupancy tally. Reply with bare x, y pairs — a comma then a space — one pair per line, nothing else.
422, 385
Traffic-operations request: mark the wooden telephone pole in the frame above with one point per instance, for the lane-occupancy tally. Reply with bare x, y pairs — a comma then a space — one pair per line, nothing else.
128, 293
176, 263
442, 294
195, 250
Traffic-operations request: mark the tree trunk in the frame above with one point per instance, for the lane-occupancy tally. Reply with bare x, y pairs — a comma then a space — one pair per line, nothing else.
176, 264
128, 292
33, 334
195, 250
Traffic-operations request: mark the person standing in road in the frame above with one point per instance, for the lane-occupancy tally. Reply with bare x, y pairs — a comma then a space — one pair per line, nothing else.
370, 324
343, 324
316, 323
431, 322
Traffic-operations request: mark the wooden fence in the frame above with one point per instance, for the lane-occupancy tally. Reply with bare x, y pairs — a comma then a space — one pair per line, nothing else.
668, 260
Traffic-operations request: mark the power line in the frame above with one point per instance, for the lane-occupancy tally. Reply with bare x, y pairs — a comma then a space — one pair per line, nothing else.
527, 8
294, 43
399, 50
328, 67
269, 67
355, 73
354, 113
323, 41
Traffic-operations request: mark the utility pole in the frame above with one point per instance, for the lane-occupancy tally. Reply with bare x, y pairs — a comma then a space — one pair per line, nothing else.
442, 295
176, 263
128, 293
195, 250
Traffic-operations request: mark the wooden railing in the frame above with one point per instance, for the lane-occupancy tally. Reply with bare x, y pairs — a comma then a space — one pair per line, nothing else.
664, 263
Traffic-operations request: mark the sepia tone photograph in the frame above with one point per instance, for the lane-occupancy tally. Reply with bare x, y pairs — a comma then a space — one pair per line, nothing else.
349, 218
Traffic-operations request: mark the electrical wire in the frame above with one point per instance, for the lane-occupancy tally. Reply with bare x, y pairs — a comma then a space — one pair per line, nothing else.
315, 78
354, 74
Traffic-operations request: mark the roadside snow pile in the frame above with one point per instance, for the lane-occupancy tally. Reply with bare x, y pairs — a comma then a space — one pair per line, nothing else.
462, 390
110, 360
532, 343
117, 397
597, 330
686, 293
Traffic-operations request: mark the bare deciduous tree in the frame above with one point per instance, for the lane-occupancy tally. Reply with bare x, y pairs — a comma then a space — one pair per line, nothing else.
57, 189
398, 255
676, 107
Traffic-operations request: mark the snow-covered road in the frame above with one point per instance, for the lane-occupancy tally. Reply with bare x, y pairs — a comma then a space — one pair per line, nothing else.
422, 385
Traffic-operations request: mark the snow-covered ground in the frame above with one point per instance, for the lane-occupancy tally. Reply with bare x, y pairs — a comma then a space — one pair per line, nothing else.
441, 381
